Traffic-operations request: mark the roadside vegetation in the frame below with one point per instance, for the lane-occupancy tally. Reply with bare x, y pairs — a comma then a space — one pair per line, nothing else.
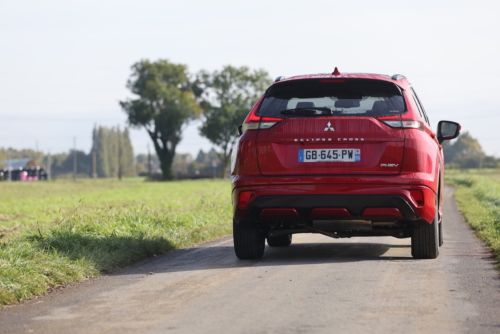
478, 197
53, 233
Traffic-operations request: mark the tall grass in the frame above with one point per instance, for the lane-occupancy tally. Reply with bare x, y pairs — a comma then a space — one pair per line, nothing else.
478, 197
108, 227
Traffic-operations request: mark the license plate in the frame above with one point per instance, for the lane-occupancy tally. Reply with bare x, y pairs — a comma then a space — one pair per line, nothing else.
332, 154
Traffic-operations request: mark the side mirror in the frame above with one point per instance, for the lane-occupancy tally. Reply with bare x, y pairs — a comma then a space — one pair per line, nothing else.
447, 130
240, 129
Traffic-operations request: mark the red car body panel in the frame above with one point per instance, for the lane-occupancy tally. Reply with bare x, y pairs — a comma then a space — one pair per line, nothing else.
265, 160
277, 146
424, 211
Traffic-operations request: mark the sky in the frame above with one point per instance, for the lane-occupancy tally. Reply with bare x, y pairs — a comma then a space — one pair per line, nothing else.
64, 64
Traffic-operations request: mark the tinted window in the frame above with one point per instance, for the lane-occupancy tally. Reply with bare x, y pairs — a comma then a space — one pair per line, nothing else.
345, 97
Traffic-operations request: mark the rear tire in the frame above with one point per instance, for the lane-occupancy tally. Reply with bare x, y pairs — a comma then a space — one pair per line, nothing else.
425, 240
249, 242
280, 241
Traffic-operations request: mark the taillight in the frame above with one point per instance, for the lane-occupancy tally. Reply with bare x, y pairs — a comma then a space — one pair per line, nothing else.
417, 196
381, 213
255, 122
261, 123
244, 198
401, 123
258, 125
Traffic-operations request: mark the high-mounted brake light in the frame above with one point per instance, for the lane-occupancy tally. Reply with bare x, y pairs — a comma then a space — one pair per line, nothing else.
331, 80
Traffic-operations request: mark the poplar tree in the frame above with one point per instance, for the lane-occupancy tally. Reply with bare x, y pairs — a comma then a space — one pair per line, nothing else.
101, 149
111, 142
107, 143
128, 155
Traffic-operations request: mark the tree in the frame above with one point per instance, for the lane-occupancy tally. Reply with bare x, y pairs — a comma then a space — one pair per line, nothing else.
165, 104
62, 164
466, 152
128, 155
114, 152
226, 98
467, 146
21, 154
100, 147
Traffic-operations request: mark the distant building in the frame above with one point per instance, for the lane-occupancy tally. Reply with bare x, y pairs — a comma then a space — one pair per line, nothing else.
22, 170
16, 163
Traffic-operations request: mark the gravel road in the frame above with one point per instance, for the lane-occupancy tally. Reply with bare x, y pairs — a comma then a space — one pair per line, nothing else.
317, 285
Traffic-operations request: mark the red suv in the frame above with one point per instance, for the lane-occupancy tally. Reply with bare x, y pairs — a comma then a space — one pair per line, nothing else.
343, 155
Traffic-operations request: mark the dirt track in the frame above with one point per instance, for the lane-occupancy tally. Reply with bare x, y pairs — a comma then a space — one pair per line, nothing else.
317, 285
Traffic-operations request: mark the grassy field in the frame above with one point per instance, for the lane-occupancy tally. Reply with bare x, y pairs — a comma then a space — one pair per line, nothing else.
478, 197
53, 233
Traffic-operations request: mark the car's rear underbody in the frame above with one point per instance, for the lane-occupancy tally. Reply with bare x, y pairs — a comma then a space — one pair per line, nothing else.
366, 210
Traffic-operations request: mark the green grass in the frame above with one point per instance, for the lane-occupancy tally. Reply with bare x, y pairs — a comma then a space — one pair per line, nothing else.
60, 232
478, 197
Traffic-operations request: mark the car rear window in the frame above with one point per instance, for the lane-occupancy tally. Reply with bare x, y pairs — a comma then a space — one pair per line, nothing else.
344, 97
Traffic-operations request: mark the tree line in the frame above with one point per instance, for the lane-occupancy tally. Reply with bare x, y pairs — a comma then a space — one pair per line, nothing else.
167, 97
466, 152
111, 153
184, 166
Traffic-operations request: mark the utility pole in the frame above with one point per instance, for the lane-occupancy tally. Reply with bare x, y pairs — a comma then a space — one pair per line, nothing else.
10, 167
48, 167
120, 154
94, 165
149, 164
37, 163
74, 158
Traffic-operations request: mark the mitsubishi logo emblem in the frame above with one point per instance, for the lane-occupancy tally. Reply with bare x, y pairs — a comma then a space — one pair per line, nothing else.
329, 127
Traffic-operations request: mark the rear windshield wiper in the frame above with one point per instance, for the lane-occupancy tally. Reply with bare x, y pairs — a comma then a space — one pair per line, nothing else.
312, 111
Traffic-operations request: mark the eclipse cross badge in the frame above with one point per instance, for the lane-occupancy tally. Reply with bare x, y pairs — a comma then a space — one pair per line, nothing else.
329, 127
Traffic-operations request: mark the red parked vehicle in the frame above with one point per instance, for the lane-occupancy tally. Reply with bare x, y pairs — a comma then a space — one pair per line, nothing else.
344, 155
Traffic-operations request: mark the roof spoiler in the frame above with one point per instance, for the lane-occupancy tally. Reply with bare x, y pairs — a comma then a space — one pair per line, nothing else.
398, 76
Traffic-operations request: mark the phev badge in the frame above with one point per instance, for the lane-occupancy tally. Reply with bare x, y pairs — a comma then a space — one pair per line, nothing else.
329, 127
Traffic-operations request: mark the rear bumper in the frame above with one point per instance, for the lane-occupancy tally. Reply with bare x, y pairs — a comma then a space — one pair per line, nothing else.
355, 198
